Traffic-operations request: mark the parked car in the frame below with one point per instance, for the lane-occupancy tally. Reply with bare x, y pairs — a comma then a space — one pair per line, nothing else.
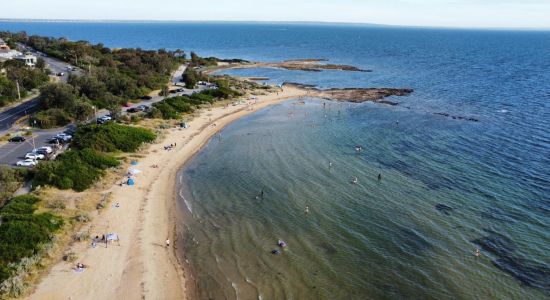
42, 149
132, 110
17, 139
143, 107
35, 156
104, 119
145, 97
60, 74
64, 137
27, 163
70, 131
55, 140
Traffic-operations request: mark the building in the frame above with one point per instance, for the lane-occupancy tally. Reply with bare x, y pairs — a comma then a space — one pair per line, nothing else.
3, 46
28, 59
6, 53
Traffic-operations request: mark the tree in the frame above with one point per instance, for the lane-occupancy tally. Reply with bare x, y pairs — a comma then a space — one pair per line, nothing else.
113, 105
190, 77
194, 58
40, 63
165, 91
58, 95
83, 111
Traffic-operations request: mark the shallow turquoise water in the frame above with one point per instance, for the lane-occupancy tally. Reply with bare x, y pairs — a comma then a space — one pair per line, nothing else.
372, 240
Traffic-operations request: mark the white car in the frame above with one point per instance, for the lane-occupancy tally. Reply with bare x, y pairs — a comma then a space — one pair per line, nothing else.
45, 148
34, 156
27, 163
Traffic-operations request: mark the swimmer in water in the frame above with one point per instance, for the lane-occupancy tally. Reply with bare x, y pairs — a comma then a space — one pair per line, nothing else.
307, 209
329, 165
354, 180
379, 176
477, 253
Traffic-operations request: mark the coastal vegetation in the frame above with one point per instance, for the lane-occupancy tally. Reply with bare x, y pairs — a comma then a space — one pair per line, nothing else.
25, 236
74, 169
14, 73
11, 179
82, 166
172, 108
111, 137
109, 77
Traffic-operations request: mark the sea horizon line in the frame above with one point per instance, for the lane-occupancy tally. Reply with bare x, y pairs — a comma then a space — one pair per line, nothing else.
318, 23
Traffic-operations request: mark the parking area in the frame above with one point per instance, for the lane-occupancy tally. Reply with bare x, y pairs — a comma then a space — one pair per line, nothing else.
11, 153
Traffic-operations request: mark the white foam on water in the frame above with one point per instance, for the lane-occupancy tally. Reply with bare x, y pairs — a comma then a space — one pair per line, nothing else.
187, 204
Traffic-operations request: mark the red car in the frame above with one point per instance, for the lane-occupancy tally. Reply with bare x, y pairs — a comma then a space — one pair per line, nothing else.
126, 104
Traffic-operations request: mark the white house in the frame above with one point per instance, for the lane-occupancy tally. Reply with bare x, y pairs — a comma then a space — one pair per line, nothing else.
28, 59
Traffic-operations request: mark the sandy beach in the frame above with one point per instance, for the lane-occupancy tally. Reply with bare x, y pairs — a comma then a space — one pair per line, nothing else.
142, 267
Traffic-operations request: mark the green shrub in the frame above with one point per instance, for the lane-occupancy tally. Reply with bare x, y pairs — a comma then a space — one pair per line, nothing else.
50, 118
111, 137
74, 169
23, 233
10, 180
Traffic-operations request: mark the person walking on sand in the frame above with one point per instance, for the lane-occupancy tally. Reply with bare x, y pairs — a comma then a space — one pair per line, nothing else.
167, 243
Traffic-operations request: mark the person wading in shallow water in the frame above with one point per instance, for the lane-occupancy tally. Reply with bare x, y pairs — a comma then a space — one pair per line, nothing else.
379, 176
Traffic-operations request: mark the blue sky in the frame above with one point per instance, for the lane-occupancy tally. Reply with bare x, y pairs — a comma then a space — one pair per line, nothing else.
442, 13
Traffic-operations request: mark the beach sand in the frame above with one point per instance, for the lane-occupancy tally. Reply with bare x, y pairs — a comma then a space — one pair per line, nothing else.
142, 266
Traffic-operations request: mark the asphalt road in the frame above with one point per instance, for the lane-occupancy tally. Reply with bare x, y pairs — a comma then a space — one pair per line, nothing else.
8, 117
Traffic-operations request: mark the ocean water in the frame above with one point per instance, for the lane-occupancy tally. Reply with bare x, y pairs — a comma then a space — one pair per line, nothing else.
448, 185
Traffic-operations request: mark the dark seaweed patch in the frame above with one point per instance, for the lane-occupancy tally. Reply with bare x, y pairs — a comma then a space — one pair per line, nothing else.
498, 214
444, 208
432, 182
526, 271
496, 243
328, 248
413, 241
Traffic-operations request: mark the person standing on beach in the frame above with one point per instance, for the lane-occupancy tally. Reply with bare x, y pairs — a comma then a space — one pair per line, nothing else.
167, 243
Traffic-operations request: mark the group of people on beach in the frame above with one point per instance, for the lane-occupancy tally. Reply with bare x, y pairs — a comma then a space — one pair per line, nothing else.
170, 147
